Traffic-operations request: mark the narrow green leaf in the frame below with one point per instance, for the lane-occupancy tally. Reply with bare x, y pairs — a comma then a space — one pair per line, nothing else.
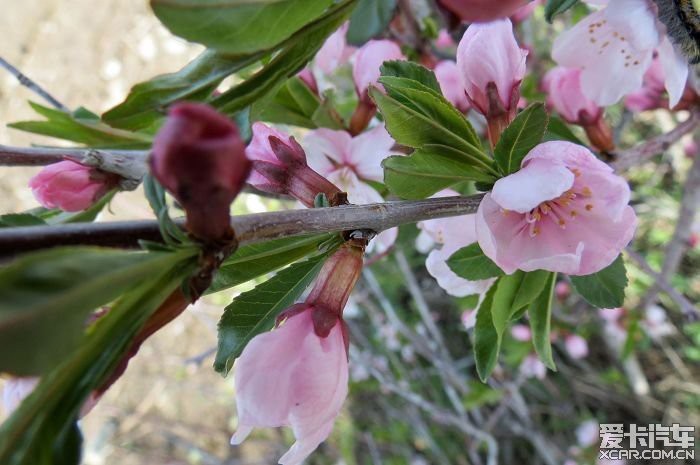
487, 343
93, 133
428, 170
606, 288
504, 301
470, 263
521, 136
370, 19
557, 129
47, 296
254, 312
413, 71
540, 312
557, 7
531, 287
237, 27
255, 260
12, 220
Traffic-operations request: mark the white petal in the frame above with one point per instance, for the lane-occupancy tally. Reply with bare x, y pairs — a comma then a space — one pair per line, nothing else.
675, 69
537, 182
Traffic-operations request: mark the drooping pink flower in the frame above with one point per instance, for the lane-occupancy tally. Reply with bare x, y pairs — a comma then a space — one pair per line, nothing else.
280, 166
335, 51
532, 367
349, 162
297, 374
199, 157
368, 61
71, 186
564, 211
576, 346
482, 10
446, 236
619, 41
492, 66
447, 75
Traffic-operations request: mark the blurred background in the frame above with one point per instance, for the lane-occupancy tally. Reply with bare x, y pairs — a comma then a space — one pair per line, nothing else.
415, 398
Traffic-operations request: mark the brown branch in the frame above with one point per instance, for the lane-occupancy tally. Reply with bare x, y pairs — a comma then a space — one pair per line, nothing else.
31, 85
659, 144
249, 228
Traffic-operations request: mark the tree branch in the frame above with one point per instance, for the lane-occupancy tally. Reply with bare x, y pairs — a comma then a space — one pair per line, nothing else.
249, 228
31, 85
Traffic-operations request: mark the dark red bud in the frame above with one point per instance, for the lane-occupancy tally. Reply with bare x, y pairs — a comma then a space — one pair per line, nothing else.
199, 157
337, 279
289, 153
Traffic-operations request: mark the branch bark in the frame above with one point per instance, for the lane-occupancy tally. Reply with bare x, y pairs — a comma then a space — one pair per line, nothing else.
31, 85
249, 228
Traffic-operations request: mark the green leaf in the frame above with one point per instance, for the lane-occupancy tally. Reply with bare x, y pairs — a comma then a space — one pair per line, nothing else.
540, 312
147, 101
557, 129
85, 216
470, 263
428, 170
521, 136
298, 50
369, 19
606, 288
172, 234
531, 286
254, 312
487, 342
413, 71
237, 27
479, 395
88, 131
42, 430
47, 296
12, 220
255, 260
557, 7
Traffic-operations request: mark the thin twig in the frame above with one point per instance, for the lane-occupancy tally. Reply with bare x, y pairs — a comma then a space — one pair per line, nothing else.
249, 228
31, 85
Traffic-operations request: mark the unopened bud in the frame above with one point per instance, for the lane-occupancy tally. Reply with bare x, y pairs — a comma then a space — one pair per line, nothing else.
199, 157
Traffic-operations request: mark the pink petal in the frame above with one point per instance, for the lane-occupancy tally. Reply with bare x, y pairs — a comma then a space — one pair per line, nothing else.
332, 53
369, 59
576, 346
565, 94
436, 264
325, 148
571, 155
447, 75
359, 193
537, 182
366, 152
383, 242
521, 333
675, 69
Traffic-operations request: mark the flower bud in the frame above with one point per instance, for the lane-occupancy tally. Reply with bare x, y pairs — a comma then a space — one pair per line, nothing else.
368, 61
447, 75
482, 10
280, 167
492, 66
71, 186
199, 157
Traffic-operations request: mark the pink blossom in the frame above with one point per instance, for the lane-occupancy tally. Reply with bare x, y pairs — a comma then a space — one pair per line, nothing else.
482, 10
563, 87
444, 39
71, 186
525, 11
291, 376
334, 52
447, 75
562, 290
488, 55
450, 235
349, 162
521, 333
308, 78
368, 61
564, 211
532, 367
651, 95
614, 47
576, 346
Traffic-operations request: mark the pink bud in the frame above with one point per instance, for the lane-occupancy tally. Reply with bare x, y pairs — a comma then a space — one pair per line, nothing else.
521, 333
482, 10
691, 149
492, 66
308, 78
369, 59
199, 157
280, 166
444, 39
447, 75
562, 290
71, 186
532, 367
563, 86
576, 346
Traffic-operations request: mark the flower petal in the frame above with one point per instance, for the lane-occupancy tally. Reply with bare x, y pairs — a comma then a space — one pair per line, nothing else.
366, 152
675, 68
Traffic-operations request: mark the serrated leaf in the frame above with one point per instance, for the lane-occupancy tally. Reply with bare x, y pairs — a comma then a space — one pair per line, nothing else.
540, 312
486, 339
521, 136
606, 288
46, 297
237, 27
369, 19
428, 170
470, 263
557, 7
413, 71
88, 131
49, 414
255, 260
254, 312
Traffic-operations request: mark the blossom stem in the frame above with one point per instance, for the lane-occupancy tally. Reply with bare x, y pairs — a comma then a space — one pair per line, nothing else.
249, 228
